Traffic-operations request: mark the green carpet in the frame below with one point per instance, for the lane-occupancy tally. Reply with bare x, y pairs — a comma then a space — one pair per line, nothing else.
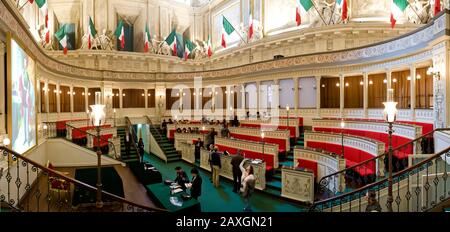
111, 182
223, 199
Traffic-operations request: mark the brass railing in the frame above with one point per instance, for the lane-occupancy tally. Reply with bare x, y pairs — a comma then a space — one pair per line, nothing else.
31, 187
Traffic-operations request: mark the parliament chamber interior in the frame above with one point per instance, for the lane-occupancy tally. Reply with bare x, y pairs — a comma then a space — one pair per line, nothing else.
224, 106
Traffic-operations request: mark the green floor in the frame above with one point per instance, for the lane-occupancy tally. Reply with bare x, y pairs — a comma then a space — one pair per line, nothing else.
223, 199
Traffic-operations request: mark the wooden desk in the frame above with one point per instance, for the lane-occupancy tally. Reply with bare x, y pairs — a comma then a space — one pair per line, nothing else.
160, 194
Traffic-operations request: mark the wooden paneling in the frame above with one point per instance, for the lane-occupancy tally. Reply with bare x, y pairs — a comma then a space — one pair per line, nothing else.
424, 89
134, 98
43, 100
402, 89
91, 96
116, 99
64, 99
170, 100
329, 92
354, 92
52, 108
151, 98
79, 100
377, 90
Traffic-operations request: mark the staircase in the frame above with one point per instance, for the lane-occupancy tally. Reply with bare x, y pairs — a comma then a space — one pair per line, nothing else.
133, 155
165, 145
273, 184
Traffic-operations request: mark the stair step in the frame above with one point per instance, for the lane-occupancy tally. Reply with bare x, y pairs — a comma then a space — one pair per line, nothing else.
274, 185
273, 192
277, 177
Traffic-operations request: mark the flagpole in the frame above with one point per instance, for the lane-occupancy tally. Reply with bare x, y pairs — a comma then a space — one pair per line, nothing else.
314, 4
20, 8
332, 12
412, 8
236, 30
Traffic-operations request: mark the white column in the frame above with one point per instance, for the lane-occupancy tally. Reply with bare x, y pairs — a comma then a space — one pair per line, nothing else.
71, 98
2, 87
258, 95
120, 98
389, 79
366, 94
86, 98
319, 87
242, 92
412, 74
146, 97
58, 97
296, 93
341, 94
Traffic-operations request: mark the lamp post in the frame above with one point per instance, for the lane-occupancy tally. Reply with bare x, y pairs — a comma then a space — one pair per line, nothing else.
203, 133
87, 114
98, 119
114, 117
390, 113
342, 137
287, 114
262, 137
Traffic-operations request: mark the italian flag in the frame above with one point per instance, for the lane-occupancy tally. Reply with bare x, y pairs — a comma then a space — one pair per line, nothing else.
209, 46
42, 4
343, 5
47, 35
147, 39
188, 47
120, 34
250, 26
31, 1
171, 40
398, 7
437, 7
62, 37
227, 29
91, 31
305, 6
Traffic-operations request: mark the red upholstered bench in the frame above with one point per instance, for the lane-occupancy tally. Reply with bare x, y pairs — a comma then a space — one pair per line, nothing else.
302, 163
281, 142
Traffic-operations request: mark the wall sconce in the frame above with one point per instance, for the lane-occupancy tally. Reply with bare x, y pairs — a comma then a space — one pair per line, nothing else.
314, 87
123, 95
89, 94
385, 81
347, 84
143, 95
323, 86
149, 94
82, 93
68, 93
394, 80
418, 76
338, 85
435, 72
300, 87
184, 94
361, 83
370, 82
408, 78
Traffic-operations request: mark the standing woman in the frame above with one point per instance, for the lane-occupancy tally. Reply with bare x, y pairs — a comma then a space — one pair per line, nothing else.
248, 184
141, 149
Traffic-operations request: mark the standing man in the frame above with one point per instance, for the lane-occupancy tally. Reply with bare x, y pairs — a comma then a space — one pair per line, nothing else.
198, 145
127, 142
141, 149
196, 184
237, 173
216, 166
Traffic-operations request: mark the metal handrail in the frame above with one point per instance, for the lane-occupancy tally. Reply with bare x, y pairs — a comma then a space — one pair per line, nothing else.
133, 136
79, 183
382, 155
380, 182
149, 121
95, 136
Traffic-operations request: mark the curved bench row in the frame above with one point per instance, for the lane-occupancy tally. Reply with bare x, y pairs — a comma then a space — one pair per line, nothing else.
356, 149
280, 137
293, 125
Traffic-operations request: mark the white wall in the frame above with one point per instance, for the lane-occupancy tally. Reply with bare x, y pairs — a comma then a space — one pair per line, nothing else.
251, 96
62, 153
307, 92
287, 93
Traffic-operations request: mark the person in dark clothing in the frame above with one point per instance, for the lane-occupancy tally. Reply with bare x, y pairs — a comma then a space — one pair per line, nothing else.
372, 203
216, 166
235, 162
170, 121
258, 116
235, 121
198, 146
181, 178
164, 126
141, 149
196, 184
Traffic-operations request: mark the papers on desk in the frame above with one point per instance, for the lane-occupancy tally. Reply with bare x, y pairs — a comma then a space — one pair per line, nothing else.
177, 190
176, 201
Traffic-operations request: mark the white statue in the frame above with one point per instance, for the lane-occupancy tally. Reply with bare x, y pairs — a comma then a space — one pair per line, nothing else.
95, 43
421, 11
105, 41
42, 34
164, 48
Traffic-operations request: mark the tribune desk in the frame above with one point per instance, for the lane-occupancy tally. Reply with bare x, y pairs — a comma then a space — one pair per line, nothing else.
160, 194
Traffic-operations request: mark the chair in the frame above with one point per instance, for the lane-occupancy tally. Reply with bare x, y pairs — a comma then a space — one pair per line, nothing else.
57, 184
